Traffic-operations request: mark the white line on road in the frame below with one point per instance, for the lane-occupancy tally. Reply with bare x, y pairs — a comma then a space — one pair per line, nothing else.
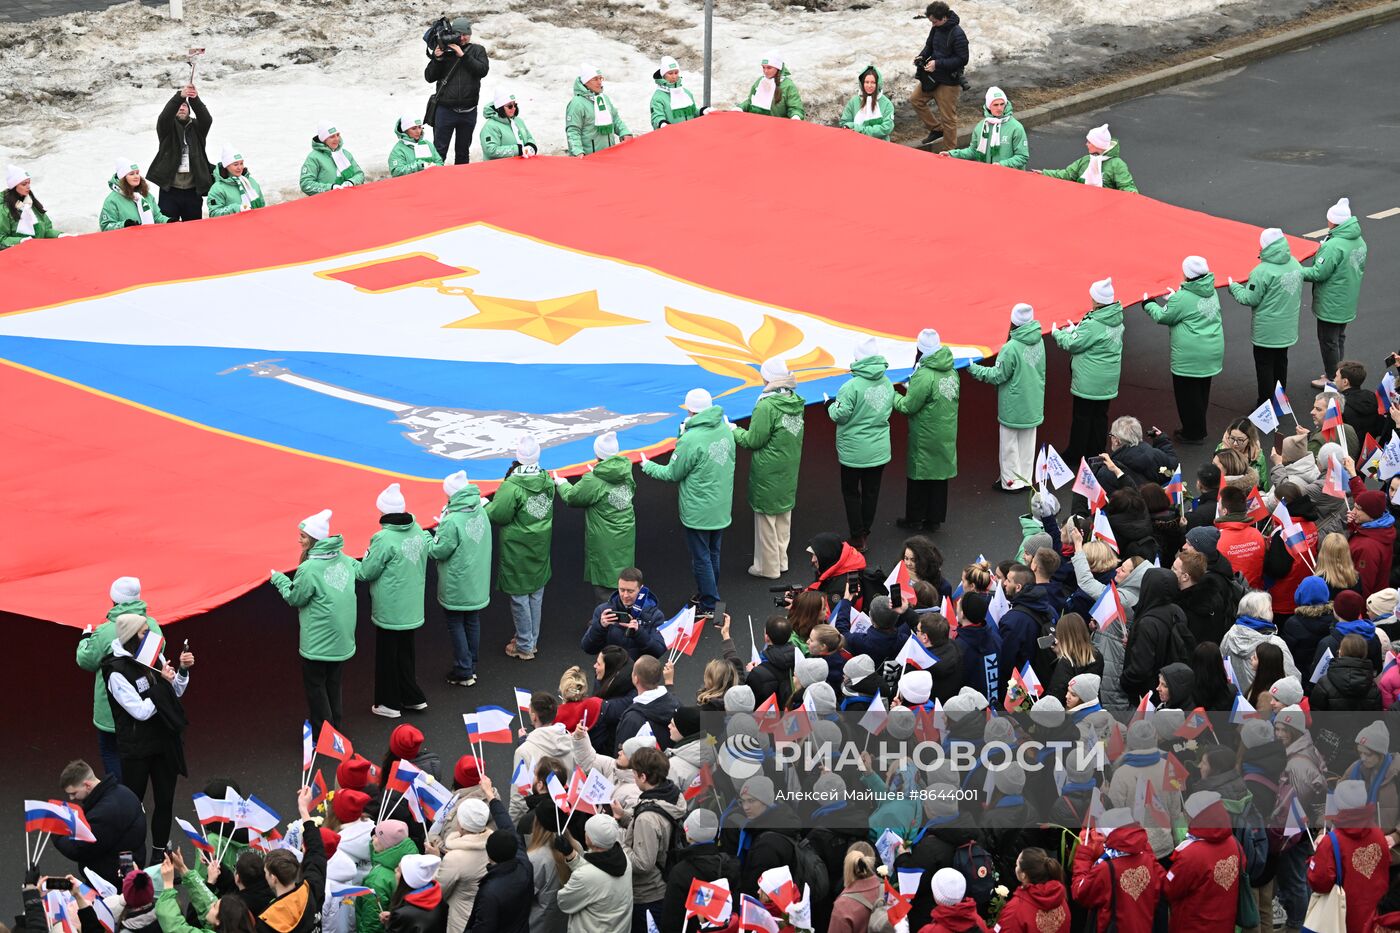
1316, 233
1383, 214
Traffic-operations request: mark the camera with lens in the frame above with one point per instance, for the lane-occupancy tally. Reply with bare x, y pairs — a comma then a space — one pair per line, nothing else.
785, 594
440, 35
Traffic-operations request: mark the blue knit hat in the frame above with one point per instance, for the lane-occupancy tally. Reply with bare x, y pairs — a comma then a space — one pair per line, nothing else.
1312, 591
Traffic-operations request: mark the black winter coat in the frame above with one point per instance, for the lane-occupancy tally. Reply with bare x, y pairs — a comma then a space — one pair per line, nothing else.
1202, 514
419, 912
617, 697
1156, 636
1204, 605
504, 897
1134, 533
946, 47
771, 838
461, 79
1065, 670
1141, 463
774, 675
1166, 528
931, 853
658, 713
196, 132
1348, 685
948, 672
119, 823
704, 862
1303, 631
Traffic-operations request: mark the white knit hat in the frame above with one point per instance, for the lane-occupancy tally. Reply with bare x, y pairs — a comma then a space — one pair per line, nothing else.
125, 167
605, 445
948, 886
1100, 136
229, 155
502, 98
527, 450
632, 745
915, 687
587, 73
473, 815
1287, 690
668, 64
318, 526
409, 120
14, 175
454, 483
774, 59
1374, 738
1199, 802
1102, 291
391, 500
418, 870
773, 368
865, 347
1293, 717
125, 589
697, 400
1118, 816
1337, 213
929, 341
701, 826
1048, 711
810, 671
325, 130
995, 93
1022, 314
1269, 235
1350, 795
602, 831
1086, 687
1194, 266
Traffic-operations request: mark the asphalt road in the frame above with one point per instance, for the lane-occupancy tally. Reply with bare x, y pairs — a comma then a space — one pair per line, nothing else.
1274, 144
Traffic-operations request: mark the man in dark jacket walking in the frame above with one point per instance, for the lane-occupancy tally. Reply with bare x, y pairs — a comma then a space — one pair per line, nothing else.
181, 168
115, 815
699, 859
940, 72
653, 705
457, 71
507, 891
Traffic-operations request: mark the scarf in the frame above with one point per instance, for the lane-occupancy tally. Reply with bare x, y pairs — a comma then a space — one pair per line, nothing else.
1141, 759
25, 225
1078, 787
783, 384
1363, 627
936, 821
527, 469
868, 112
1010, 800
763, 93
1079, 712
1385, 521
991, 135
341, 161
1093, 172
246, 190
680, 98
602, 114
1373, 786
1258, 625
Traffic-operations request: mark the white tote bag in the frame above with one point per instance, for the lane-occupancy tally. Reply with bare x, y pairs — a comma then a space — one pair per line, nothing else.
1327, 913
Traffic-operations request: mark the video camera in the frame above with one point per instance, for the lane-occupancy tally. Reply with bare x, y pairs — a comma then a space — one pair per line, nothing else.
785, 594
441, 34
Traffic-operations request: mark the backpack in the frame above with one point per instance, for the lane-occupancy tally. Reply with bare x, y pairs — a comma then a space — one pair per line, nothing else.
809, 869
1181, 644
1253, 839
890, 673
1234, 593
975, 865
872, 584
675, 832
879, 921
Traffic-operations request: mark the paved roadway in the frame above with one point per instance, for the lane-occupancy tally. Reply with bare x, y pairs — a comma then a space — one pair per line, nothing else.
25, 11
1270, 145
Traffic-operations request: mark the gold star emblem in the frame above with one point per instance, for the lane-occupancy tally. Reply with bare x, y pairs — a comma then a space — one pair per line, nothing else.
554, 320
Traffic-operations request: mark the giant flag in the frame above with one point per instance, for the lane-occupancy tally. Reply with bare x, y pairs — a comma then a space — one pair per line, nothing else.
244, 372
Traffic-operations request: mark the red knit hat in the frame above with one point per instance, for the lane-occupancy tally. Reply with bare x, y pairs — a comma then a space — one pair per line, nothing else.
1372, 503
353, 773
1349, 606
349, 805
138, 890
330, 841
466, 773
405, 741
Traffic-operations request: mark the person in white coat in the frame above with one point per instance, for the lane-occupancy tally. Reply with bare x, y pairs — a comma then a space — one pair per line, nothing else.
546, 738
598, 895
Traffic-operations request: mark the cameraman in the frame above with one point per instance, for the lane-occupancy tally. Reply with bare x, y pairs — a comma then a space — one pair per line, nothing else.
940, 72
457, 68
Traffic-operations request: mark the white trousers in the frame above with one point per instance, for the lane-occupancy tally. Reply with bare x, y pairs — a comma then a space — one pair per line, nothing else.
1017, 456
771, 536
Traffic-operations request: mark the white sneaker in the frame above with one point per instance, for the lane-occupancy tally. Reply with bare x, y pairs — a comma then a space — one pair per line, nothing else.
417, 706
385, 711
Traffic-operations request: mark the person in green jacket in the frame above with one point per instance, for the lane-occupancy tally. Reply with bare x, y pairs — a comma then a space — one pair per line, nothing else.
870, 111
503, 134
129, 202
324, 597
931, 404
1275, 292
413, 152
1095, 346
862, 415
234, 189
462, 549
329, 164
93, 647
1019, 375
774, 435
390, 845
1198, 344
610, 526
1103, 167
1336, 273
773, 94
170, 917
591, 122
22, 217
703, 465
396, 569
999, 139
524, 508
670, 102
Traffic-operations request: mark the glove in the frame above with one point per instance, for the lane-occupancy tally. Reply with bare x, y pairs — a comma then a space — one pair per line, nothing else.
31, 877
643, 455
727, 423
348, 184
1229, 280
132, 223
272, 574
825, 398
529, 150
1170, 292
794, 117
1045, 505
562, 845
1146, 298
1054, 327
661, 123
560, 481
705, 110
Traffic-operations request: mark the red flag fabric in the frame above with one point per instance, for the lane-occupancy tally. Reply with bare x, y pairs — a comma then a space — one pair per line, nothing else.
333, 744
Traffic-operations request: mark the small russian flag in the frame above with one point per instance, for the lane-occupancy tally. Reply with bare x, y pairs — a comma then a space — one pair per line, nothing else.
492, 725
345, 894
196, 837
1332, 418
1281, 401
46, 816
150, 650
1175, 489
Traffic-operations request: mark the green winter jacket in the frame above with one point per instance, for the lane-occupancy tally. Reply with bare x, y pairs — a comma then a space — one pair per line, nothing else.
609, 525
1096, 349
1115, 170
663, 110
931, 403
396, 569
1335, 273
524, 508
501, 137
880, 128
787, 102
118, 208
703, 464
862, 415
1198, 339
1019, 376
9, 229
774, 435
1012, 151
94, 648
170, 918
462, 549
382, 881
226, 194
324, 596
319, 173
411, 155
1275, 292
581, 123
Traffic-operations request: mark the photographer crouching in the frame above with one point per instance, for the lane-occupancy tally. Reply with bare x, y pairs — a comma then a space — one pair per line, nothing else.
457, 68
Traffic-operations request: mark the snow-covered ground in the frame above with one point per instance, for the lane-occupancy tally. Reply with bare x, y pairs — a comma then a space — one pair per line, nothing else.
81, 90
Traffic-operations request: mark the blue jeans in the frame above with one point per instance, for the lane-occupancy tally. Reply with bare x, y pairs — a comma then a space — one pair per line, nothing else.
464, 628
704, 562
111, 758
445, 121
525, 613
1291, 881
